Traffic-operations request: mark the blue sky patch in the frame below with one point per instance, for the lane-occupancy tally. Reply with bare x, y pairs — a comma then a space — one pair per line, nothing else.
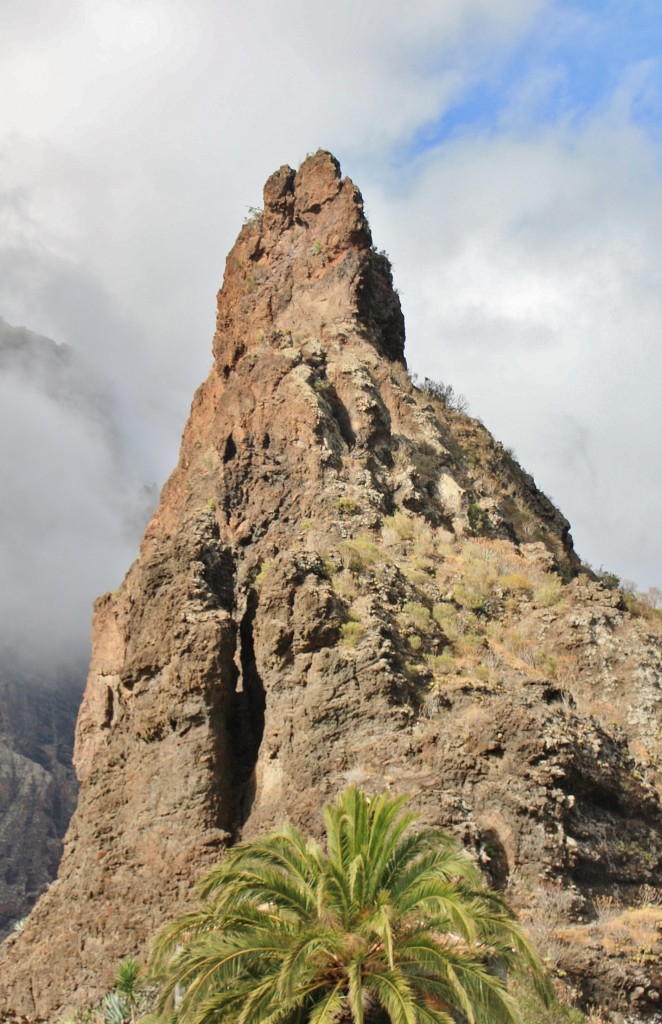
576, 61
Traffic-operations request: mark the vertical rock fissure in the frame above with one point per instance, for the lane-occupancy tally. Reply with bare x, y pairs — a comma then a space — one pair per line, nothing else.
342, 417
246, 717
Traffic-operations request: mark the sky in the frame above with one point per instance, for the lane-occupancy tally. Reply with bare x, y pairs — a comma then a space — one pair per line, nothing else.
509, 155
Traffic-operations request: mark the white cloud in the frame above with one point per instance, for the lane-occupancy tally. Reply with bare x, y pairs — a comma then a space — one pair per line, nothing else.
68, 503
530, 275
160, 122
527, 259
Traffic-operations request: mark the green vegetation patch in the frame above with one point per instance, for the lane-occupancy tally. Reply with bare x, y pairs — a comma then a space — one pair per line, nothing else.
419, 616
348, 507
350, 633
359, 554
517, 584
549, 592
401, 524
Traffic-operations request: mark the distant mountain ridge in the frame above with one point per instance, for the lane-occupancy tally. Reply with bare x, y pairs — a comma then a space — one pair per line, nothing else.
52, 368
37, 787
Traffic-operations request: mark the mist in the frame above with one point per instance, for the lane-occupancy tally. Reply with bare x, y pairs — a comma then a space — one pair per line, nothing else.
72, 507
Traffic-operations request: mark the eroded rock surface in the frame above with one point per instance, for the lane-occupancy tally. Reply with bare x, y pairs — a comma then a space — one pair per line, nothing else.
344, 580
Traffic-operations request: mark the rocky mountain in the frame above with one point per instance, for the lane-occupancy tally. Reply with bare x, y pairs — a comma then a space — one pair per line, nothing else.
348, 580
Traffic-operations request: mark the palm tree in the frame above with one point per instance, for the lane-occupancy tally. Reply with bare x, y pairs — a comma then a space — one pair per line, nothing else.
127, 984
389, 924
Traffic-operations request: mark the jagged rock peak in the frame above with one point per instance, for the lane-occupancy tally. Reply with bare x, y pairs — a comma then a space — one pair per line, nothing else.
346, 580
307, 260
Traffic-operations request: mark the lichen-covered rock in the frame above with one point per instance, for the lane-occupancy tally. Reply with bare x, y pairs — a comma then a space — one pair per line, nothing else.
345, 580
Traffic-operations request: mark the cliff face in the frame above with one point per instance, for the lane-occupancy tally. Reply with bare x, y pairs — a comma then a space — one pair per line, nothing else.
344, 580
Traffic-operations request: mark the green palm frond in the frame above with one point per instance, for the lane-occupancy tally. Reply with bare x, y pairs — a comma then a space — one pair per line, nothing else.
303, 959
380, 923
329, 1008
355, 989
432, 1015
389, 922
394, 995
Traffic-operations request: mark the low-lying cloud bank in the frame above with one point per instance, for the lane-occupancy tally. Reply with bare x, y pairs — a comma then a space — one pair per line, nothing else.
71, 507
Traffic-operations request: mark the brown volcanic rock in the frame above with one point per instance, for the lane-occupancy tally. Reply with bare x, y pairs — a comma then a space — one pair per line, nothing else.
275, 637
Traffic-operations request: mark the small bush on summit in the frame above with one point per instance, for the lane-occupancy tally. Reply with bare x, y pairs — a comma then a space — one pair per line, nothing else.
445, 394
254, 216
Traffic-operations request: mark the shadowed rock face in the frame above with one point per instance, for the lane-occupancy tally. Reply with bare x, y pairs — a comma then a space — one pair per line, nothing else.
330, 590
37, 788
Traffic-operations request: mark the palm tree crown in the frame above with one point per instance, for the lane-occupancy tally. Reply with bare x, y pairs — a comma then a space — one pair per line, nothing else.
388, 925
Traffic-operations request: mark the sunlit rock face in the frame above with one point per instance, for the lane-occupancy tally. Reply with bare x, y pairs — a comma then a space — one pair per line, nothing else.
345, 580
